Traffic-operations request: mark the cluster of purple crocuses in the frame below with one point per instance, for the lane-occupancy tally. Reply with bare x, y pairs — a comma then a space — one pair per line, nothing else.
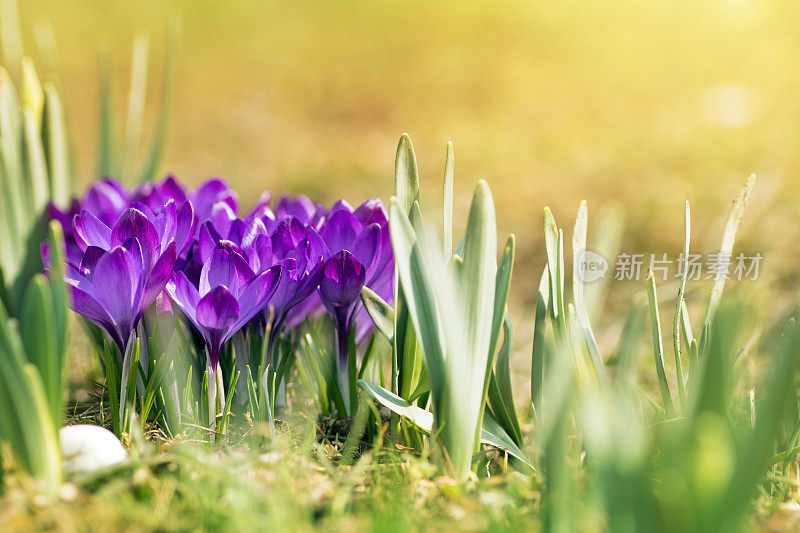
272, 267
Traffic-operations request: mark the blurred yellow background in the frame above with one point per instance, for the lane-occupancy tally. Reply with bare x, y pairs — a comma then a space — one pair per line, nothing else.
629, 103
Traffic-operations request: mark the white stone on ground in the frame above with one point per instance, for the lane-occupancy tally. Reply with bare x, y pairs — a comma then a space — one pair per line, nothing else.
87, 448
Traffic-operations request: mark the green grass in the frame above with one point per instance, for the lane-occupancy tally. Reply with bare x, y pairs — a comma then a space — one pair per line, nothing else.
298, 486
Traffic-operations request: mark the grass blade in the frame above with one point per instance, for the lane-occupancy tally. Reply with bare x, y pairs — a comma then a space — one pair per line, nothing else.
726, 248
136, 103
582, 312
150, 166
106, 159
447, 203
54, 133
679, 306
658, 347
538, 353
10, 36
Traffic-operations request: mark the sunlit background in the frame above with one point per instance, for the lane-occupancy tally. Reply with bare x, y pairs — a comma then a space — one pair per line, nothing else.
630, 105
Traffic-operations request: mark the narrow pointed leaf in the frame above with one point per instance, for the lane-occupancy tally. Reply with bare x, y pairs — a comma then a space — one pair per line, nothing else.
381, 313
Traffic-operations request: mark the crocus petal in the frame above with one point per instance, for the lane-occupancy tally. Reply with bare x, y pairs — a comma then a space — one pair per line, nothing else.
316, 245
212, 191
170, 188
366, 247
224, 268
206, 242
75, 277
296, 206
340, 230
371, 212
262, 250
342, 279
289, 280
134, 224
184, 294
255, 296
106, 199
159, 275
184, 227
90, 231
165, 223
307, 286
144, 208
217, 310
253, 229
261, 207
222, 218
341, 205
116, 285
90, 259
84, 304
236, 232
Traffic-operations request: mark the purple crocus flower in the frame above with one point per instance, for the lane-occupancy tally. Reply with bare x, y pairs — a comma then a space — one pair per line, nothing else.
137, 254
106, 199
359, 254
210, 193
228, 296
156, 195
301, 208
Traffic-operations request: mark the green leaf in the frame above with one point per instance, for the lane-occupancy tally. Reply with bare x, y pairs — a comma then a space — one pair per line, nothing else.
39, 337
537, 355
36, 166
457, 323
32, 95
420, 417
502, 285
54, 134
153, 383
679, 306
406, 177
626, 347
494, 435
553, 239
418, 295
658, 347
25, 420
150, 166
10, 36
728, 237
14, 216
45, 451
491, 432
582, 312
478, 285
447, 202
112, 371
136, 104
501, 397
496, 386
106, 159
381, 313
405, 356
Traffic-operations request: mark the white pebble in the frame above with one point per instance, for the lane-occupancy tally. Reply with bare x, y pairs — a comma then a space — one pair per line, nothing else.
87, 448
